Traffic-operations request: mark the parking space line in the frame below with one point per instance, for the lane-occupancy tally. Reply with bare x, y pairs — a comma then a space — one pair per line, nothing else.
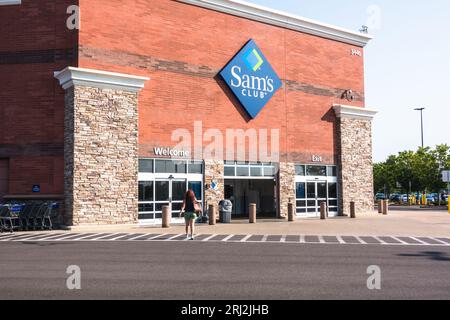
420, 241
173, 237
246, 238
87, 236
228, 238
105, 235
156, 237
360, 240
341, 241
51, 237
264, 238
399, 240
30, 238
121, 236
138, 237
321, 239
440, 241
379, 240
210, 237
302, 239
70, 236
12, 236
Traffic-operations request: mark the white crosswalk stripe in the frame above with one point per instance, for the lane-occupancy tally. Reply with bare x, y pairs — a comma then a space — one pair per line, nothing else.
228, 238
319, 239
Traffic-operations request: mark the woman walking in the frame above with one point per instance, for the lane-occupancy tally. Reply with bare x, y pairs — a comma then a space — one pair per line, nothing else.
190, 208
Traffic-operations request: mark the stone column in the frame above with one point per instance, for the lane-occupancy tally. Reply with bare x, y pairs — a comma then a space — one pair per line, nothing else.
286, 187
355, 158
101, 146
214, 172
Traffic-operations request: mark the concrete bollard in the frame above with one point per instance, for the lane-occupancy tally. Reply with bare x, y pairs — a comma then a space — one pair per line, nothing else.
385, 207
212, 215
323, 211
380, 206
252, 213
166, 217
352, 210
291, 214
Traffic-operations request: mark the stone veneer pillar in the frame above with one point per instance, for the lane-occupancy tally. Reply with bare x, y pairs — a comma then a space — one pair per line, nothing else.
100, 146
214, 172
355, 158
286, 187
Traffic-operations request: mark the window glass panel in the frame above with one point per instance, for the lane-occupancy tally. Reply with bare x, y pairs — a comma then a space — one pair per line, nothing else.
242, 171
333, 209
196, 186
332, 171
269, 171
146, 191
231, 163
310, 210
162, 190
229, 172
311, 190
146, 166
159, 206
300, 170
301, 210
170, 166
176, 207
196, 167
146, 216
322, 190
178, 190
255, 172
158, 215
316, 171
301, 192
301, 203
311, 203
146, 207
332, 190
333, 203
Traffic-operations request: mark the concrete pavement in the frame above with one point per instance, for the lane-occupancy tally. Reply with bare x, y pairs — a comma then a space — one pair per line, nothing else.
223, 271
397, 223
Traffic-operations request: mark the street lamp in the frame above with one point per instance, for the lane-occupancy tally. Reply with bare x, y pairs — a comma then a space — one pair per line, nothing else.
421, 121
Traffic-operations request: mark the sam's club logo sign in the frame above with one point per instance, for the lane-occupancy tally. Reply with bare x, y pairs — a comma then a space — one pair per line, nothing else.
251, 78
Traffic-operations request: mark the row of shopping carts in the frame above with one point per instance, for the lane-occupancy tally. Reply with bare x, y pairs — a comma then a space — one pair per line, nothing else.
32, 216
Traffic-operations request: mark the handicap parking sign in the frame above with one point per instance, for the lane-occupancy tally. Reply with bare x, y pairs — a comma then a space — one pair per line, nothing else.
36, 188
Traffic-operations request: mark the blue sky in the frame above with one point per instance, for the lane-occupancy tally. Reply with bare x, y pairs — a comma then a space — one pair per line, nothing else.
406, 65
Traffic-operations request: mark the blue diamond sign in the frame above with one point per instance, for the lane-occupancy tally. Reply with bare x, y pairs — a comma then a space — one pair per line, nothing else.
251, 79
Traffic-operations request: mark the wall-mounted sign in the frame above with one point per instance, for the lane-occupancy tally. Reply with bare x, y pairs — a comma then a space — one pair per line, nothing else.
169, 152
251, 79
36, 188
316, 158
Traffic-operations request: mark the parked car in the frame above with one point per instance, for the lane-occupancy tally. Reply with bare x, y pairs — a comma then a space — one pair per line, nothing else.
395, 197
380, 196
405, 198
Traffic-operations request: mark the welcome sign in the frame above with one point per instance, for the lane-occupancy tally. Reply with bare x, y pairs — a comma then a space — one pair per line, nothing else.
251, 79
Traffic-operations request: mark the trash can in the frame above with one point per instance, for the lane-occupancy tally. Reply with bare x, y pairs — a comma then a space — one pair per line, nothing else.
225, 209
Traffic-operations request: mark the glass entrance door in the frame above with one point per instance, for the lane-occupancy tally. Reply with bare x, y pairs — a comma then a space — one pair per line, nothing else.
309, 197
169, 191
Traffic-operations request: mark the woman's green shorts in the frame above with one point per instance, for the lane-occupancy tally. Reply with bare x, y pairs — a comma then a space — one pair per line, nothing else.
188, 216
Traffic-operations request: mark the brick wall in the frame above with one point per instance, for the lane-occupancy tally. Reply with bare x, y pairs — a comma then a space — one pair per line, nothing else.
34, 43
183, 48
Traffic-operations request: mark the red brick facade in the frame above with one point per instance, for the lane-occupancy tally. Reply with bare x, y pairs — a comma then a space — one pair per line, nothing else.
182, 48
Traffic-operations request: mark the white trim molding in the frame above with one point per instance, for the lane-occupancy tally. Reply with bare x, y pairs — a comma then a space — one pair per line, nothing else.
282, 19
10, 2
343, 111
71, 76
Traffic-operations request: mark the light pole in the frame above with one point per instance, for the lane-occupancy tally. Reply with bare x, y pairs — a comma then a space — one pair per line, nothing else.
421, 121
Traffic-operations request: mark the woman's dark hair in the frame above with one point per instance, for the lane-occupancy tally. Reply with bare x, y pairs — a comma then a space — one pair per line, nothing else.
190, 196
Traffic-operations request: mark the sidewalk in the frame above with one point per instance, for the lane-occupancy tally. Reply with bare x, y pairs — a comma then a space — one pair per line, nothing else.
398, 223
